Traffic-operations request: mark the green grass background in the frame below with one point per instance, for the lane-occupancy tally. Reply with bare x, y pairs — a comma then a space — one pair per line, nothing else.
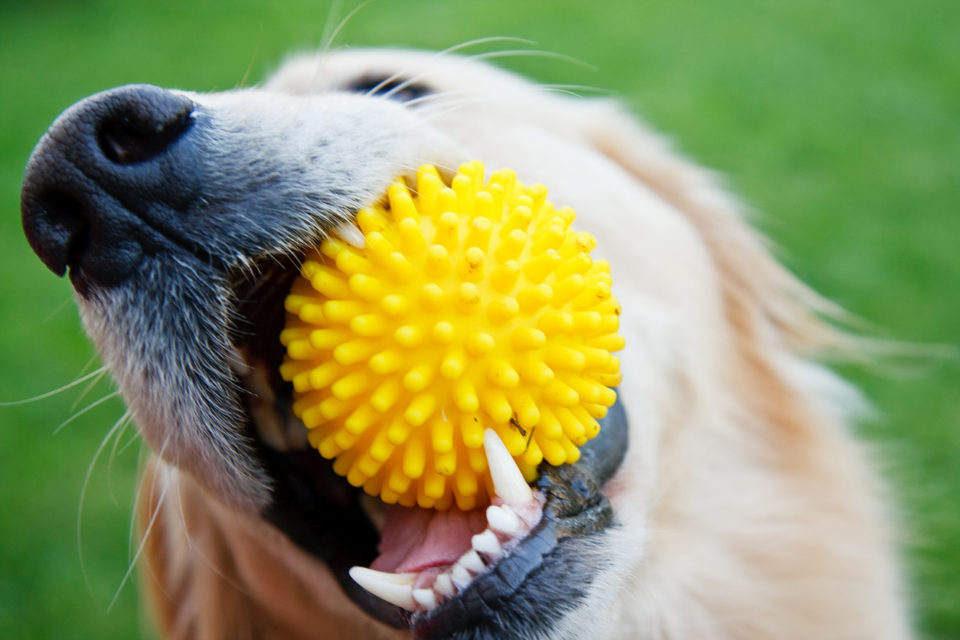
838, 121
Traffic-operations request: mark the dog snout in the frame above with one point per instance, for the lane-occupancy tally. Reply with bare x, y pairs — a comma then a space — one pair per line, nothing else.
94, 182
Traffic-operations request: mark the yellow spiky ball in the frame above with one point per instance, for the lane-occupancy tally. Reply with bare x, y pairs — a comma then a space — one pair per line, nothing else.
470, 305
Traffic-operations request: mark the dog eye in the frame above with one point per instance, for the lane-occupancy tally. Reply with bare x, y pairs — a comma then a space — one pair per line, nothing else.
396, 88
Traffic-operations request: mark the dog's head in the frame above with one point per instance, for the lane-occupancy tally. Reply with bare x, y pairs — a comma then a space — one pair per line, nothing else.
181, 219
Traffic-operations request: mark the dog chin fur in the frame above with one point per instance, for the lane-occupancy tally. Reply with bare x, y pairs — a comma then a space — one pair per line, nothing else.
745, 508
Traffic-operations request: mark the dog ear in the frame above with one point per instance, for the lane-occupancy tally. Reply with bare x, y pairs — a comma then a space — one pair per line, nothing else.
763, 300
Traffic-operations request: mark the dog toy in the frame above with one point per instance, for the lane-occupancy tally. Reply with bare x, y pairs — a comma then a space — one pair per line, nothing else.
463, 306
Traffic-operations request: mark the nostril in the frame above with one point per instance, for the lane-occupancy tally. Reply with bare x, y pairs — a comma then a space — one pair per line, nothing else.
83, 207
135, 134
57, 229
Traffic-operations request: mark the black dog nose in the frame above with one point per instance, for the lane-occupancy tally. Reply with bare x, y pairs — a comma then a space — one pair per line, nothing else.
92, 179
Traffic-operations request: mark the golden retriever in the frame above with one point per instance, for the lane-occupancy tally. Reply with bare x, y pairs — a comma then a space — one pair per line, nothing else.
725, 499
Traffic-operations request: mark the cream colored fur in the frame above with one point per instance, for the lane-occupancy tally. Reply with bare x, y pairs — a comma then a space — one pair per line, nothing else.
747, 509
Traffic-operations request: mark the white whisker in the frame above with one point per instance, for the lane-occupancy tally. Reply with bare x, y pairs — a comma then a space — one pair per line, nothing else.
436, 97
329, 40
576, 87
83, 496
253, 58
89, 407
126, 445
49, 394
125, 422
131, 532
326, 35
455, 48
60, 307
136, 556
83, 394
537, 53
564, 92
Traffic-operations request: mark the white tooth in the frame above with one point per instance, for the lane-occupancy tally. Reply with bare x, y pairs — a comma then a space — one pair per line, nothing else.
393, 578
443, 585
395, 588
503, 520
508, 482
472, 562
425, 598
486, 543
460, 576
350, 234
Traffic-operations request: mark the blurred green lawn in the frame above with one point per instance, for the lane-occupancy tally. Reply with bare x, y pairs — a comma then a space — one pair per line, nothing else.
839, 121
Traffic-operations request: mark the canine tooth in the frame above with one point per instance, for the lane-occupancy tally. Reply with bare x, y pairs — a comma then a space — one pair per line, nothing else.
486, 543
395, 588
460, 576
392, 578
503, 520
443, 585
350, 234
507, 479
472, 562
425, 598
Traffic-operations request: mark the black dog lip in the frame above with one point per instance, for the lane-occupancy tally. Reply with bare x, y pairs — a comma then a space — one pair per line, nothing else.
489, 592
549, 566
518, 583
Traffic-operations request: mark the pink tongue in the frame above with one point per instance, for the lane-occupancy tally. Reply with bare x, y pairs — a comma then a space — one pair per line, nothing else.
415, 539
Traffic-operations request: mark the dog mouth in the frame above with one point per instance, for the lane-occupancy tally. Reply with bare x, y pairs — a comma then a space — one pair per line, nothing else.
181, 241
491, 571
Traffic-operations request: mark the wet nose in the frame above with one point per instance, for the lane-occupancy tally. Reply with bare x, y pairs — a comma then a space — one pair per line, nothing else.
89, 184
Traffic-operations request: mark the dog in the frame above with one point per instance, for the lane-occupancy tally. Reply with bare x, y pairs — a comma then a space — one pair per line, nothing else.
724, 498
